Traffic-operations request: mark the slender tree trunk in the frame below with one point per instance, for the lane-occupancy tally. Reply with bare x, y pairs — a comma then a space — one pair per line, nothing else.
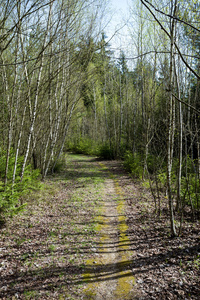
105, 110
171, 122
95, 113
65, 132
178, 203
10, 127
146, 149
58, 102
18, 145
121, 111
31, 129
198, 151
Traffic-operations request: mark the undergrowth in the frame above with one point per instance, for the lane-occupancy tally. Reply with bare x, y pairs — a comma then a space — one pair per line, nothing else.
156, 178
88, 146
12, 194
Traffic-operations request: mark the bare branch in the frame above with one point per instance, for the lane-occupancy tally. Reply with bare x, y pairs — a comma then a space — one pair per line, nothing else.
188, 105
172, 17
176, 46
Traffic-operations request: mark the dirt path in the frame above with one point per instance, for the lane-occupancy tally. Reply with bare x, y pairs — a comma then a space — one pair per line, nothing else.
91, 233
111, 277
71, 242
102, 283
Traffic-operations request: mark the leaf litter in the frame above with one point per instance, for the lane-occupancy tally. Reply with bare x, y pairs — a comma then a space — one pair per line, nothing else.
43, 251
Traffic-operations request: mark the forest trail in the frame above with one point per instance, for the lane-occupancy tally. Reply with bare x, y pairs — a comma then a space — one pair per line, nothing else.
111, 276
71, 243
91, 233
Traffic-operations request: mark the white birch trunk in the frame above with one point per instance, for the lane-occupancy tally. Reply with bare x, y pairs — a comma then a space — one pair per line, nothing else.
178, 203
65, 132
171, 129
31, 129
57, 124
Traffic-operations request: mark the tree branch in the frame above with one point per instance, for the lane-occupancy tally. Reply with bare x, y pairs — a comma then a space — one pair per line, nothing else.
169, 36
188, 105
172, 17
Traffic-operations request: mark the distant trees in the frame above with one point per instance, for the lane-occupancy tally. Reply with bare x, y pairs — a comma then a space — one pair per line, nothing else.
148, 115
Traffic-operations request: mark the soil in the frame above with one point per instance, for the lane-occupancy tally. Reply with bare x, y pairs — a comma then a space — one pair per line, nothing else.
164, 267
92, 233
110, 276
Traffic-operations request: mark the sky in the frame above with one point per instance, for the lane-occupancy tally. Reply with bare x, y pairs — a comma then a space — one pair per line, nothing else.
121, 9
121, 5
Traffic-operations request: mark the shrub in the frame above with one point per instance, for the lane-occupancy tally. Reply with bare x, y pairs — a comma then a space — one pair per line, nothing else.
83, 146
11, 194
59, 165
191, 191
106, 152
133, 164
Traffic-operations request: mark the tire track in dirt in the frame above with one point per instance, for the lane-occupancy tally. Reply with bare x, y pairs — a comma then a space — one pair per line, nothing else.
109, 275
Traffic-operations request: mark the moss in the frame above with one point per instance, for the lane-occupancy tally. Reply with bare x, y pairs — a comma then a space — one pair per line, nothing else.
100, 223
125, 286
89, 292
126, 281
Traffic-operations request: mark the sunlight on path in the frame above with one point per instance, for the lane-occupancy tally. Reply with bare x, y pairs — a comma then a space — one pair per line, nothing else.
109, 275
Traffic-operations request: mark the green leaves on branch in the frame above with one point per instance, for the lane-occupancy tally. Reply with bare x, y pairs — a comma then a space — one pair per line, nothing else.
133, 164
13, 193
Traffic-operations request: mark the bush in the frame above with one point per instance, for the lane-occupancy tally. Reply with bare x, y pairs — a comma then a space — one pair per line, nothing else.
191, 191
89, 147
133, 164
60, 164
10, 194
83, 146
106, 152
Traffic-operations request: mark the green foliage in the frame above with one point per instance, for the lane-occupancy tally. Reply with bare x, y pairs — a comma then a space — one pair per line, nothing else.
106, 152
190, 188
152, 163
11, 194
88, 146
83, 146
87, 96
60, 164
133, 164
190, 191
162, 178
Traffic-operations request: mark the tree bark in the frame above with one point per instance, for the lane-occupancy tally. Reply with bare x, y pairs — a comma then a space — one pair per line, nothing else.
171, 122
31, 129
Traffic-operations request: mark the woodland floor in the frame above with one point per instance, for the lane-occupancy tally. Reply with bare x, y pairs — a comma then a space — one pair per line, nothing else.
91, 233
